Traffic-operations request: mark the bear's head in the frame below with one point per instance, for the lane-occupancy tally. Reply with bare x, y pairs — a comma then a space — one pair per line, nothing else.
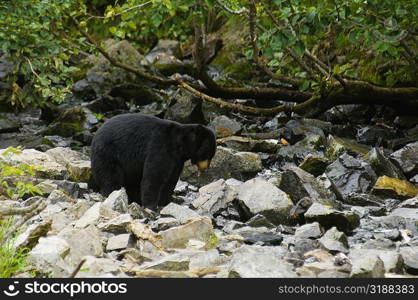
200, 145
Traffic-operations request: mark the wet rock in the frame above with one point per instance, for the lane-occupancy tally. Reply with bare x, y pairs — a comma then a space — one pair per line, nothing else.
47, 256
247, 144
116, 225
185, 109
334, 241
225, 126
104, 103
121, 241
311, 230
226, 164
367, 265
351, 175
259, 235
337, 146
410, 203
312, 144
382, 165
299, 184
362, 199
7, 125
214, 197
410, 258
138, 94
259, 221
375, 135
394, 188
314, 164
196, 229
179, 212
258, 196
117, 201
406, 158
329, 217
47, 165
86, 241
270, 263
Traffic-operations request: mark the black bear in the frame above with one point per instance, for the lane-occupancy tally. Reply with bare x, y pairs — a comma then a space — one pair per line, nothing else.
146, 155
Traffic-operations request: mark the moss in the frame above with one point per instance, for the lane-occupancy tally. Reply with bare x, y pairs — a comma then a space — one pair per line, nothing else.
212, 241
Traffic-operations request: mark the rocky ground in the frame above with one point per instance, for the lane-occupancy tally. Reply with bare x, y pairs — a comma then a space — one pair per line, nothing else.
284, 197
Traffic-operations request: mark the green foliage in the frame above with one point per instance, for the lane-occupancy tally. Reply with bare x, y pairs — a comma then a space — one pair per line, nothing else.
38, 42
17, 188
12, 260
371, 30
353, 37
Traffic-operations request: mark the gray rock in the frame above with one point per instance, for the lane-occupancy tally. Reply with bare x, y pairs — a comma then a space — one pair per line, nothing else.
337, 146
225, 126
410, 258
351, 175
48, 256
165, 223
225, 164
186, 108
117, 201
270, 263
7, 125
86, 241
334, 240
410, 203
310, 230
116, 225
314, 164
121, 241
98, 212
29, 238
196, 229
367, 265
382, 165
391, 259
100, 267
58, 196
259, 235
170, 47
406, 158
258, 196
47, 165
329, 217
247, 144
312, 144
299, 184
259, 221
214, 197
179, 212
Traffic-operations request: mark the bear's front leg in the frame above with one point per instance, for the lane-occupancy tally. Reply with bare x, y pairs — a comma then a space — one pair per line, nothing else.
157, 180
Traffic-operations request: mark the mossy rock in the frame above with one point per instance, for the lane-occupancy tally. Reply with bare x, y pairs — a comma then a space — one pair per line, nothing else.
394, 188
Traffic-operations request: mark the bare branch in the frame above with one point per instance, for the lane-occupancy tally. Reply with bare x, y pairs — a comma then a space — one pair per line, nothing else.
256, 56
143, 5
241, 11
19, 210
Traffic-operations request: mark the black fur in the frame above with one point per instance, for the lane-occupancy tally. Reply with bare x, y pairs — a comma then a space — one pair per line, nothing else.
146, 155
